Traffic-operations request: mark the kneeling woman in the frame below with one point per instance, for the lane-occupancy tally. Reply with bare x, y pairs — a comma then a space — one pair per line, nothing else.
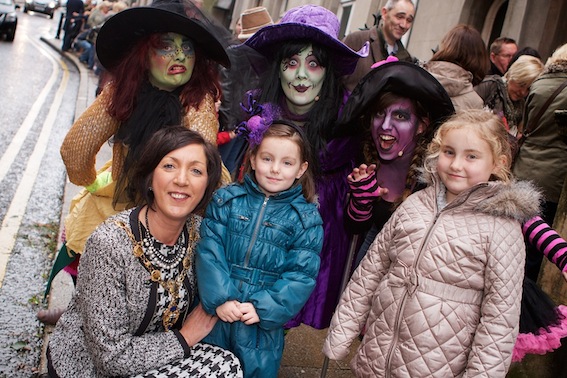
134, 310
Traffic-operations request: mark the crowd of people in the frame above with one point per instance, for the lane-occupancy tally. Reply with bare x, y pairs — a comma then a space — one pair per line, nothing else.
443, 176
83, 21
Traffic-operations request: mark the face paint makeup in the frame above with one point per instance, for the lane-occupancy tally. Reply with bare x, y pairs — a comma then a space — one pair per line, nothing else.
171, 62
394, 130
301, 78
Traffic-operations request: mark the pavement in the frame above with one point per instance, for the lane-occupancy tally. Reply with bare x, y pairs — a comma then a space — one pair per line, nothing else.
302, 353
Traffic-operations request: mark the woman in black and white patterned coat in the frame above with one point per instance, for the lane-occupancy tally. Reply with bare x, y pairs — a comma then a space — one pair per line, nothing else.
134, 312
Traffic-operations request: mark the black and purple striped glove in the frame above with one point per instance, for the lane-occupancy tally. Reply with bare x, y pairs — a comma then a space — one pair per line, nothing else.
362, 194
541, 236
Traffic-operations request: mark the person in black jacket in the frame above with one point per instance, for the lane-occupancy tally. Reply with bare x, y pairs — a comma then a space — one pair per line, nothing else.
501, 52
73, 22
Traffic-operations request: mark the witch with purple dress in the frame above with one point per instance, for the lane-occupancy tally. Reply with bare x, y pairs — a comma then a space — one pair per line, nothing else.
306, 63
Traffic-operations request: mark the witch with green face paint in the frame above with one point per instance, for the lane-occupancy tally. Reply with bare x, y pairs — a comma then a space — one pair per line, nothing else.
306, 63
171, 62
162, 71
301, 79
161, 63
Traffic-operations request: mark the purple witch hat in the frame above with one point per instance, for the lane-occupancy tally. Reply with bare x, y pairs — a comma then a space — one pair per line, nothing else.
313, 23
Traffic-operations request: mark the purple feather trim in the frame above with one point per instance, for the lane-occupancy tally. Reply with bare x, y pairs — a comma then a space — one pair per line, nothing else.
262, 116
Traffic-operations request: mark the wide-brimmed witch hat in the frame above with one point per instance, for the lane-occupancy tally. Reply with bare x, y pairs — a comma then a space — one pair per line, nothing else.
403, 79
121, 31
312, 23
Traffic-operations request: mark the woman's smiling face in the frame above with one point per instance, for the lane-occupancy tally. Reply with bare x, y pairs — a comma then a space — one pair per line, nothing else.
171, 62
301, 77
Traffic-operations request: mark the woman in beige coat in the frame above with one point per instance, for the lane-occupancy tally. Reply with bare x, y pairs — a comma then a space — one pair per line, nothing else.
439, 289
459, 64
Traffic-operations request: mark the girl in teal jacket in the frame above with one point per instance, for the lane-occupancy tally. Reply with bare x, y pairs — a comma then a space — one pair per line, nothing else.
258, 257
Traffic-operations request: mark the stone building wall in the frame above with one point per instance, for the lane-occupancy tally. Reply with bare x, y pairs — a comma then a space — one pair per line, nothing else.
540, 24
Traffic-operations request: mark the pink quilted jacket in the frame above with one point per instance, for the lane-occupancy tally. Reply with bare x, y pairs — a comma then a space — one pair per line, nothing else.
439, 290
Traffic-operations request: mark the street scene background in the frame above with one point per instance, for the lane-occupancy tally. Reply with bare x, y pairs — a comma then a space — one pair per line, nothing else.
39, 91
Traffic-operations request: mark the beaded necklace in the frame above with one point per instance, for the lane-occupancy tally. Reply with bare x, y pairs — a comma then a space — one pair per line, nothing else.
172, 312
163, 256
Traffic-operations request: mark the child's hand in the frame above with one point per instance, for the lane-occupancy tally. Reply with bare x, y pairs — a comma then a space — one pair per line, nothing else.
249, 315
229, 311
565, 275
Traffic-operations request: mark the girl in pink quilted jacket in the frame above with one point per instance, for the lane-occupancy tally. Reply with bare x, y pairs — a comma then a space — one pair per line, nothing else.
439, 290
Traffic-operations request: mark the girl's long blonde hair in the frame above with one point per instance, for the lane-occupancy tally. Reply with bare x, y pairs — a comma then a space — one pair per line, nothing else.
489, 127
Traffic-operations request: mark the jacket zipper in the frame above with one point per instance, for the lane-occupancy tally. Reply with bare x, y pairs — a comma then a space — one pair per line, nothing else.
255, 234
404, 297
249, 250
414, 266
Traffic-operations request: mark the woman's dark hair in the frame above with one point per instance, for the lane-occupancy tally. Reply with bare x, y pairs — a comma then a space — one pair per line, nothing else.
320, 120
163, 142
463, 46
285, 129
130, 73
524, 51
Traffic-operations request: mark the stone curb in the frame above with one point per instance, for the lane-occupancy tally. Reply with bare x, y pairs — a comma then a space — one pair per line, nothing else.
62, 287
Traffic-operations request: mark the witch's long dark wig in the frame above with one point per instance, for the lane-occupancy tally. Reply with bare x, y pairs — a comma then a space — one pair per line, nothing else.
320, 121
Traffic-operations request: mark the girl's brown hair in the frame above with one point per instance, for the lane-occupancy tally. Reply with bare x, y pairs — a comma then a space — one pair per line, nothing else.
283, 129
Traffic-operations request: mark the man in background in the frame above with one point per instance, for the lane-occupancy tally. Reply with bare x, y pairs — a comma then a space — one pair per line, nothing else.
501, 52
385, 38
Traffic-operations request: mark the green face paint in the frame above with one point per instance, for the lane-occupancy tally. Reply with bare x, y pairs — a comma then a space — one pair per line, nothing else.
171, 62
301, 78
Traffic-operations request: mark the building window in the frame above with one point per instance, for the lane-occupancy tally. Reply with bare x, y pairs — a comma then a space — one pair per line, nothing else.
345, 17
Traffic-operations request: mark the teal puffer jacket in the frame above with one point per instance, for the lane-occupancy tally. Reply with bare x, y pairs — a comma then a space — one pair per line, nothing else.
263, 250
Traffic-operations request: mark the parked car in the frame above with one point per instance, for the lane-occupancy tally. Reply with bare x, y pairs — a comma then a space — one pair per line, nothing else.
42, 6
8, 19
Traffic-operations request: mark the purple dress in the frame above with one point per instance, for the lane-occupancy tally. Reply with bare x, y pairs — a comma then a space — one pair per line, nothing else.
332, 187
